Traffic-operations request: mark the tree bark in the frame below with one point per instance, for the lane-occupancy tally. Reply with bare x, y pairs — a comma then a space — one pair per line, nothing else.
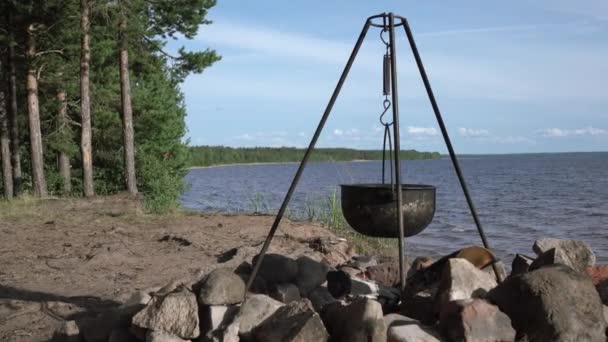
85, 103
127, 111
12, 113
7, 172
62, 158
33, 110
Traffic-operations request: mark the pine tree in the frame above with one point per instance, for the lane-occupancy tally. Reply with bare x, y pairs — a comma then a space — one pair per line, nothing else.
5, 153
12, 108
33, 110
85, 102
127, 108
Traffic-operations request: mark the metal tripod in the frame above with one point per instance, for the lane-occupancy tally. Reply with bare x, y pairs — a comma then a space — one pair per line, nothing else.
388, 19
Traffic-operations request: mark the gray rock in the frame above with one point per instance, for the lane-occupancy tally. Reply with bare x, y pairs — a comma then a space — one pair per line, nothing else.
254, 311
521, 264
405, 329
138, 298
320, 297
161, 336
222, 287
311, 274
296, 321
213, 317
361, 320
386, 273
353, 272
244, 271
573, 253
553, 303
285, 293
362, 262
500, 267
68, 331
276, 268
462, 280
121, 335
175, 313
420, 306
420, 263
606, 319
99, 328
475, 320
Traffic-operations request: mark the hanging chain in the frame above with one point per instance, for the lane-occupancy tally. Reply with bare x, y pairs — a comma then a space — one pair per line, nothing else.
386, 104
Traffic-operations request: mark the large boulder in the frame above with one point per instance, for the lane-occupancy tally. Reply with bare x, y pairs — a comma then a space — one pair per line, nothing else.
311, 274
296, 321
68, 331
277, 268
222, 287
386, 273
362, 320
285, 293
213, 317
420, 306
161, 336
100, 327
573, 253
475, 320
254, 311
521, 264
553, 303
462, 280
175, 313
320, 297
405, 329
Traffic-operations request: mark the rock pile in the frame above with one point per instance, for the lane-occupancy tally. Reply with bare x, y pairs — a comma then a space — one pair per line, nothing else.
559, 295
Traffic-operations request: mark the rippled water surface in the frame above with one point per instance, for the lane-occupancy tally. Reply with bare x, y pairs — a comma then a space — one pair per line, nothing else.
519, 197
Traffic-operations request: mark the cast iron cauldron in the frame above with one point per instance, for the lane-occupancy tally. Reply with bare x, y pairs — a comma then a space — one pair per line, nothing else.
370, 208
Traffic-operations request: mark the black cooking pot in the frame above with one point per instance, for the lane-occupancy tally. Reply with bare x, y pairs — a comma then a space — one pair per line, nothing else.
370, 208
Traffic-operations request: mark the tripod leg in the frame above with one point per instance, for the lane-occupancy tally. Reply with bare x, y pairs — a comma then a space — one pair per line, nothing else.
448, 143
302, 165
399, 209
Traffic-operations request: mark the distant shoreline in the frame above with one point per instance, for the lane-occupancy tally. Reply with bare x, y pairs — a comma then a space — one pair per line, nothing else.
276, 163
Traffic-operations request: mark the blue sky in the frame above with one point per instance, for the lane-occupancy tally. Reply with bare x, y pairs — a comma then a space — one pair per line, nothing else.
509, 76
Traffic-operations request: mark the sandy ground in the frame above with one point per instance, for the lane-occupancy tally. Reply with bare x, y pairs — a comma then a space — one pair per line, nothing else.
61, 259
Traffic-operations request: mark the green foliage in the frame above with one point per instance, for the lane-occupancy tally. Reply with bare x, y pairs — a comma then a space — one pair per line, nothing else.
158, 108
215, 155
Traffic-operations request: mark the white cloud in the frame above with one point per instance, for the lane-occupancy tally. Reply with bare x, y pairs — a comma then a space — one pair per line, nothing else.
422, 131
346, 132
514, 140
560, 133
491, 29
277, 42
473, 133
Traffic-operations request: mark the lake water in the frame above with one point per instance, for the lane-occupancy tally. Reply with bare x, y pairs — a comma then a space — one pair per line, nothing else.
519, 198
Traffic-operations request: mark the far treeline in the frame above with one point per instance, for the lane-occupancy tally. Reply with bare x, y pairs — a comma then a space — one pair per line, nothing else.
217, 155
89, 96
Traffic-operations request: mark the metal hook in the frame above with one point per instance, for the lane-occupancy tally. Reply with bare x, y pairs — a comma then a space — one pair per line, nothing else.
386, 104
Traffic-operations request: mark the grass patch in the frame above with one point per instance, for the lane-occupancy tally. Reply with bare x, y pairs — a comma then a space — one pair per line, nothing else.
24, 208
328, 212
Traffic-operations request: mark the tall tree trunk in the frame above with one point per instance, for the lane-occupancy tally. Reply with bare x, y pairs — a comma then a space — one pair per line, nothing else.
62, 158
85, 102
33, 111
7, 172
127, 111
12, 113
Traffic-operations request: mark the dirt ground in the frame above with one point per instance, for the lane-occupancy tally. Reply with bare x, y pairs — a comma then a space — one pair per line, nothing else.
61, 259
